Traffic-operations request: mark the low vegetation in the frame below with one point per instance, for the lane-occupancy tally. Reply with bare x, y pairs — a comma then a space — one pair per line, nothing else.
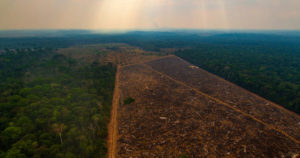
128, 100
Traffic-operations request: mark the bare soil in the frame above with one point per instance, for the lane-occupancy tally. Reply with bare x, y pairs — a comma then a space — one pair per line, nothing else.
180, 109
113, 124
110, 53
237, 97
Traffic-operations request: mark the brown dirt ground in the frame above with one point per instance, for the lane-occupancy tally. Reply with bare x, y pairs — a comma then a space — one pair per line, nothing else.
113, 124
180, 109
110, 53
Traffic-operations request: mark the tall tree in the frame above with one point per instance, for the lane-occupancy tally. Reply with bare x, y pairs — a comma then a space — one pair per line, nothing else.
59, 128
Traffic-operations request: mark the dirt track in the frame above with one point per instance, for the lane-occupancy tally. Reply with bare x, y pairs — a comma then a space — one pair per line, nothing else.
183, 110
113, 125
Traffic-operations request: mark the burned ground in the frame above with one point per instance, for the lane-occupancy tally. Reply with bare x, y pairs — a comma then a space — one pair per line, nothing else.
180, 109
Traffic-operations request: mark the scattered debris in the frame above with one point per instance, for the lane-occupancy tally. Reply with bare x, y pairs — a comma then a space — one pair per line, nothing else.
163, 118
211, 124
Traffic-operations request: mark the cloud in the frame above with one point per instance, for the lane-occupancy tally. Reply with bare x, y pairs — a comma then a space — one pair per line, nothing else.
134, 14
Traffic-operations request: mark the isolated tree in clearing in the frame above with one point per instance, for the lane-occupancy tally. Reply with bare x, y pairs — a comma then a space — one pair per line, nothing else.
128, 100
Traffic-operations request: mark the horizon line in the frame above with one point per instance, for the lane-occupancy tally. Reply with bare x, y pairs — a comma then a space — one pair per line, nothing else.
145, 29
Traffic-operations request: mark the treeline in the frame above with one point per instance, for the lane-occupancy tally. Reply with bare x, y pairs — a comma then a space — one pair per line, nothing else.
53, 106
271, 70
151, 40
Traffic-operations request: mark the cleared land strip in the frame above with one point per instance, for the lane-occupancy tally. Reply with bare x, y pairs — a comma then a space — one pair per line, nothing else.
226, 104
113, 125
230, 93
161, 57
168, 119
230, 83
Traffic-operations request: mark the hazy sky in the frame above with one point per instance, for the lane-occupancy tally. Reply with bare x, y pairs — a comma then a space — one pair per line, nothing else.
149, 14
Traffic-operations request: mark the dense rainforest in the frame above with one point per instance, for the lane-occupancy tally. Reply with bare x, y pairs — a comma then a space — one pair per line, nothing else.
53, 106
270, 70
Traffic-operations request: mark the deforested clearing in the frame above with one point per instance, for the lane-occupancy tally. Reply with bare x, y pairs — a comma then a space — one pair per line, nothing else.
180, 110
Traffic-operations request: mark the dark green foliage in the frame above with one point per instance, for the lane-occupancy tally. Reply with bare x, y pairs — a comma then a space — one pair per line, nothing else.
183, 156
128, 100
53, 106
271, 70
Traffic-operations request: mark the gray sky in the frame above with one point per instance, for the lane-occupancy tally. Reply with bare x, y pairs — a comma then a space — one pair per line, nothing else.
149, 14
